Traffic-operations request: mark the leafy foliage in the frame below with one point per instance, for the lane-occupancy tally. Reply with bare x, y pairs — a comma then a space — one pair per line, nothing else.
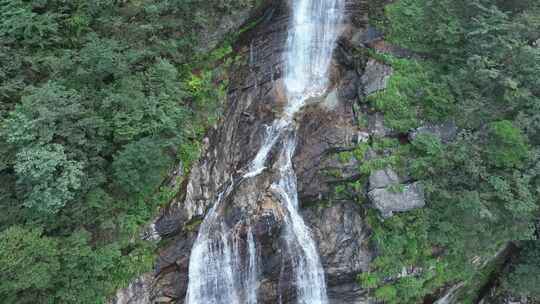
98, 100
47, 179
139, 165
524, 278
483, 188
444, 37
507, 147
31, 263
412, 93
28, 262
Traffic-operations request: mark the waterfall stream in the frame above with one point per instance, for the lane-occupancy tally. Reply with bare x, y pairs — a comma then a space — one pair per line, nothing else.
223, 270
307, 267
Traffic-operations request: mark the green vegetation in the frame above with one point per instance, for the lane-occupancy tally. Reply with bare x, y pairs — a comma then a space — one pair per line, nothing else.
480, 69
31, 264
98, 101
524, 277
411, 94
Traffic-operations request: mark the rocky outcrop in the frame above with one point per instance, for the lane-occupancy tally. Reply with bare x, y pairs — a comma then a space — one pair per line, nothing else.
376, 126
221, 21
391, 193
321, 135
375, 78
366, 36
488, 289
397, 199
383, 179
450, 295
138, 291
384, 189
445, 132
506, 299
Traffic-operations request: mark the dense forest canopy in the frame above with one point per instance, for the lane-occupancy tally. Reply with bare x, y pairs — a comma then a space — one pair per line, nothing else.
100, 99
478, 65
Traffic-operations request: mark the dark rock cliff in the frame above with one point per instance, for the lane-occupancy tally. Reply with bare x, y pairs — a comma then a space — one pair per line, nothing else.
326, 126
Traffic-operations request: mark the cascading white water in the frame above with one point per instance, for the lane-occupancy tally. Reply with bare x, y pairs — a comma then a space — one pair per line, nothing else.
212, 273
216, 265
311, 40
311, 287
310, 43
251, 276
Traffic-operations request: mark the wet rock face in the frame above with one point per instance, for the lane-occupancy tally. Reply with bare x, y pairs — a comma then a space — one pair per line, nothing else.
450, 295
326, 126
342, 239
376, 126
366, 36
322, 133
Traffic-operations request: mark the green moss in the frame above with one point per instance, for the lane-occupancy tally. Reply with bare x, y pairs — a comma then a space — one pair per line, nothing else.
339, 190
376, 14
397, 188
360, 151
193, 224
368, 280
336, 173
188, 154
390, 153
403, 243
362, 120
345, 157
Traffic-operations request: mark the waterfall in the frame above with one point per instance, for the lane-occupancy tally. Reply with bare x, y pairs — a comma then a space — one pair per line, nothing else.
311, 286
212, 273
252, 271
310, 43
311, 39
223, 270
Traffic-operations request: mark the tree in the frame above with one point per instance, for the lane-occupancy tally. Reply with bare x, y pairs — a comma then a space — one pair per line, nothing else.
482, 189
140, 166
524, 277
47, 179
507, 147
18, 22
28, 264
444, 36
95, 99
49, 114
